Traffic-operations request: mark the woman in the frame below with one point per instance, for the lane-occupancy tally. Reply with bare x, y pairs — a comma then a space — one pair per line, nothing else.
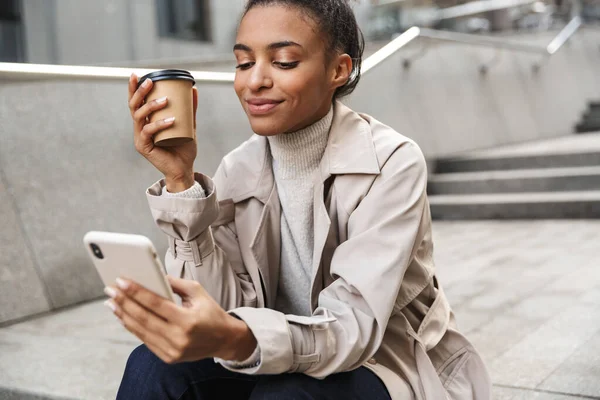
314, 235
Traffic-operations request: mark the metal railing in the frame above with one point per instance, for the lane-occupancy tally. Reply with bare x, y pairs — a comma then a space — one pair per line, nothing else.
474, 40
478, 7
44, 71
465, 10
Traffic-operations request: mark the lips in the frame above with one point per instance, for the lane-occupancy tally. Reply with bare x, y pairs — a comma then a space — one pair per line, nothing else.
262, 106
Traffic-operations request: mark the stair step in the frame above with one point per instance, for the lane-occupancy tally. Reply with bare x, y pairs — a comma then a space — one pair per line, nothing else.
518, 162
591, 114
546, 205
566, 151
592, 118
515, 181
587, 126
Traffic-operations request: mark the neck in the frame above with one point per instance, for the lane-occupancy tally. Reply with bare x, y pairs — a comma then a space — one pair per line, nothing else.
297, 154
321, 113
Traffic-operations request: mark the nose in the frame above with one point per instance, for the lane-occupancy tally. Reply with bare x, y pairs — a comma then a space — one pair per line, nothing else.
260, 77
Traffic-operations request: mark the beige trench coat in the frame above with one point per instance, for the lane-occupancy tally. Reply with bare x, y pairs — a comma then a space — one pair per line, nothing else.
375, 298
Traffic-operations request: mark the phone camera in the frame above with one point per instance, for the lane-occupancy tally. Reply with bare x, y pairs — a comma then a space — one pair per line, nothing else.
96, 250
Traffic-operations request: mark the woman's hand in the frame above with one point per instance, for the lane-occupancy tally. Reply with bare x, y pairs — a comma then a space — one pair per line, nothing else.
198, 330
176, 163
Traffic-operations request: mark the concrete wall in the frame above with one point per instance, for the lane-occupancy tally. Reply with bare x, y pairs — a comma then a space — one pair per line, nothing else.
67, 162
67, 166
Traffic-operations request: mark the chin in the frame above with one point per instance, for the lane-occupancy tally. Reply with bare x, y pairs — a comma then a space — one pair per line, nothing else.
266, 126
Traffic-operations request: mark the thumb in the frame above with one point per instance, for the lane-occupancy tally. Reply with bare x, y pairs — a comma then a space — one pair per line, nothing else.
184, 287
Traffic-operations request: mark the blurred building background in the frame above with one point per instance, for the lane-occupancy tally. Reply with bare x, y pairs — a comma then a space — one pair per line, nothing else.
116, 31
125, 31
503, 96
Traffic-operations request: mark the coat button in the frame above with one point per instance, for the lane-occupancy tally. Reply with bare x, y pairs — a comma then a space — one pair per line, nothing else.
372, 361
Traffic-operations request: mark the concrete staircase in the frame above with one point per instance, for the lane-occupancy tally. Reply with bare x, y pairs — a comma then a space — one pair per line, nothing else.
557, 178
591, 119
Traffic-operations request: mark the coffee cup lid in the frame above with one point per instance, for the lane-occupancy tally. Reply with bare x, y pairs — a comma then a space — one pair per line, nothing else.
166, 74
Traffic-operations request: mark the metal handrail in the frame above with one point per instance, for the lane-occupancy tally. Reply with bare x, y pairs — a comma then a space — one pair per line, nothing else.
564, 35
24, 70
71, 71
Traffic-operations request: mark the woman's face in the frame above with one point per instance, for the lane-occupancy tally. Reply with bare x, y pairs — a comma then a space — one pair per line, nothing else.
284, 79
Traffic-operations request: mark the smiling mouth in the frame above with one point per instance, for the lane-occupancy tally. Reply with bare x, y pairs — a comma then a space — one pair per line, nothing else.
262, 108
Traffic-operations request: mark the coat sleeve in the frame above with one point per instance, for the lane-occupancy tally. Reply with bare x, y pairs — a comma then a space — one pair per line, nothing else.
347, 328
203, 242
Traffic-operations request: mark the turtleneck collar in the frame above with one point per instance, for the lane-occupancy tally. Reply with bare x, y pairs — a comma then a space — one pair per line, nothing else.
298, 154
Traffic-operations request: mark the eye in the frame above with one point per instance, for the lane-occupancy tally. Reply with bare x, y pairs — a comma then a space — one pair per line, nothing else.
286, 65
244, 66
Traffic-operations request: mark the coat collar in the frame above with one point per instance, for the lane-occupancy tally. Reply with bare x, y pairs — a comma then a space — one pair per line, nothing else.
350, 150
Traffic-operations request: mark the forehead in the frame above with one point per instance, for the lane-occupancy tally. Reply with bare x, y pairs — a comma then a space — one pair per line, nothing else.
263, 25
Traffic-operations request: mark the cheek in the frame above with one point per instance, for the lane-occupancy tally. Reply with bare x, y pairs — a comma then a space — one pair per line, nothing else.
302, 86
238, 85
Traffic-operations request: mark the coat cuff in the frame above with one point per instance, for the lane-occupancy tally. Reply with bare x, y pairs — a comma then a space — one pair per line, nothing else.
270, 328
181, 218
288, 343
251, 362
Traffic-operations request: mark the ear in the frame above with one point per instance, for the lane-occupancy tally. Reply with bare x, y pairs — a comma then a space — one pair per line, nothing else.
195, 102
343, 69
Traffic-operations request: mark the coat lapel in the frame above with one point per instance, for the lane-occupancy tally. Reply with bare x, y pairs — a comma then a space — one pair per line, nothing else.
266, 246
252, 178
350, 150
322, 227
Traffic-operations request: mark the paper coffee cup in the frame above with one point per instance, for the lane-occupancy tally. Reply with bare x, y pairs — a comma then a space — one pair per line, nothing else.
176, 85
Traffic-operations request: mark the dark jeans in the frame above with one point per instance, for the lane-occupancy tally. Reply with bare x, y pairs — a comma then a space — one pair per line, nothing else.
147, 377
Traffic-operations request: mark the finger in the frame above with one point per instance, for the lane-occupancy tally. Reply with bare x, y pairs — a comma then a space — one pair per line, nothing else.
156, 343
144, 317
195, 102
143, 112
140, 94
144, 305
185, 288
133, 81
146, 141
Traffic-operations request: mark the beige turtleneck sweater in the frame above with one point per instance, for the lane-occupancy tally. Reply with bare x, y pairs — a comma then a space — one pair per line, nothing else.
295, 159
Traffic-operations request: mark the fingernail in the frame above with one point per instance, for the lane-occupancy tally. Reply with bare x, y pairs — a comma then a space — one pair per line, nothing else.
110, 305
122, 284
161, 100
169, 120
146, 83
110, 292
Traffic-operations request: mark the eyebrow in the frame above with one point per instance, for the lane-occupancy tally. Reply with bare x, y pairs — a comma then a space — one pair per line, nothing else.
272, 46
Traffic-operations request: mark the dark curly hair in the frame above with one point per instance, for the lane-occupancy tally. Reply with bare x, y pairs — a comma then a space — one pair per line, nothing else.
336, 20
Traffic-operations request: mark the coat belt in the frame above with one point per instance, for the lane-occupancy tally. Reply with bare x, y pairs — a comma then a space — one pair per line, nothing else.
430, 333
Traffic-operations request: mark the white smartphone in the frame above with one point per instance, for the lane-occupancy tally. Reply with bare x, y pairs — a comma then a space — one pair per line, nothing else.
128, 256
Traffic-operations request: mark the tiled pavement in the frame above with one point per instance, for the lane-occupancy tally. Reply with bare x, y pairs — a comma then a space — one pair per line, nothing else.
526, 293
